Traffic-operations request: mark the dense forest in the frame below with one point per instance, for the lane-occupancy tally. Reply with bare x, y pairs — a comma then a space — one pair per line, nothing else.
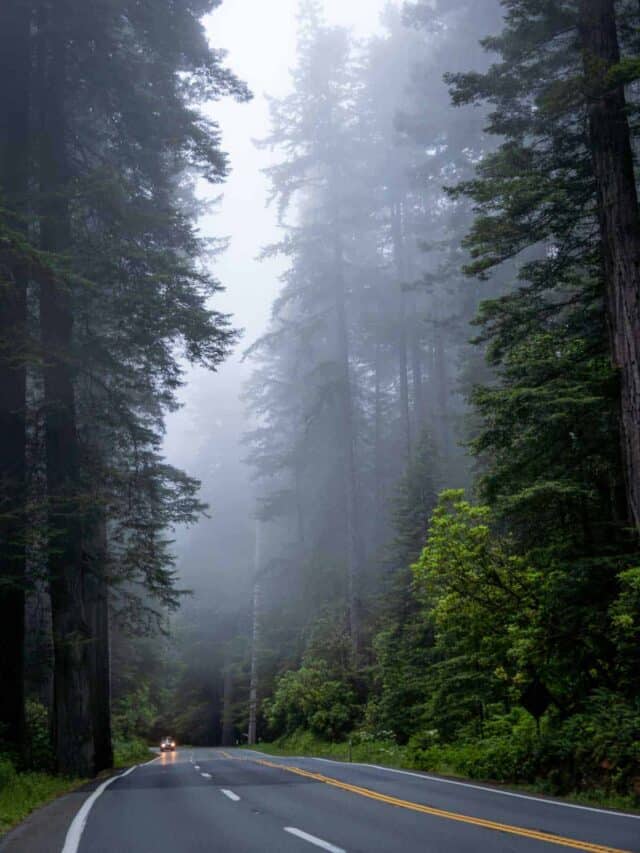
104, 289
443, 416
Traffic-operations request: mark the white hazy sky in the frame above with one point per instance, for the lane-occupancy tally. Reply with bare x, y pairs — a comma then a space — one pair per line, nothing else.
259, 36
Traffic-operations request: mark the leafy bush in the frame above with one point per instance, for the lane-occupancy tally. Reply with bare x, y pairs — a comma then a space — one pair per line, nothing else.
595, 750
308, 698
134, 714
127, 752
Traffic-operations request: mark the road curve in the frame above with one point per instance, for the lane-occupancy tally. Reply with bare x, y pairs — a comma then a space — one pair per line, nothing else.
239, 801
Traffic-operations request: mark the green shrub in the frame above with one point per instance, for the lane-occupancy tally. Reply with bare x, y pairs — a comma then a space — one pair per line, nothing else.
595, 750
308, 698
131, 751
134, 714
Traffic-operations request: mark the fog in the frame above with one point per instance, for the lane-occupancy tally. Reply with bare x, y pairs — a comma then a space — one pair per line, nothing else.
348, 387
319, 392
204, 436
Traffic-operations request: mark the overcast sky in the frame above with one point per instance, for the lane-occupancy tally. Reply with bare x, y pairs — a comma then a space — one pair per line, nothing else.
259, 36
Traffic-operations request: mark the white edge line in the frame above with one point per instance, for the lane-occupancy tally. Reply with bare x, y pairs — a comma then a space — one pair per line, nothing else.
444, 781
230, 794
74, 833
429, 778
312, 839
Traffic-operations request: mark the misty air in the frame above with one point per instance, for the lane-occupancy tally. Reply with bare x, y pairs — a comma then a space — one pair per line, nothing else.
319, 426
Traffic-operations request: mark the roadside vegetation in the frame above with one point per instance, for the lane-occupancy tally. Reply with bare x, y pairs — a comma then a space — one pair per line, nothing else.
445, 515
30, 781
22, 792
482, 761
443, 408
458, 523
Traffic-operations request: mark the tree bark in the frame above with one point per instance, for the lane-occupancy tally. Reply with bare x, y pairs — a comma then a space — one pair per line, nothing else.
72, 698
15, 80
97, 609
610, 143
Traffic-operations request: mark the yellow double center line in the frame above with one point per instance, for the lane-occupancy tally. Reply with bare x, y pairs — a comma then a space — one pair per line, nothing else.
461, 818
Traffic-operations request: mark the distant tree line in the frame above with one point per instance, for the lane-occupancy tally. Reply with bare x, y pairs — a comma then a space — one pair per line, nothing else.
103, 294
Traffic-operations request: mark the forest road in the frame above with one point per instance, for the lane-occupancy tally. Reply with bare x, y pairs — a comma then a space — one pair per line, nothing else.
241, 801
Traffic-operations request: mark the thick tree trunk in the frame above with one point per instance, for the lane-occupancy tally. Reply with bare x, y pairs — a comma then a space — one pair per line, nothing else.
15, 68
72, 699
97, 609
619, 222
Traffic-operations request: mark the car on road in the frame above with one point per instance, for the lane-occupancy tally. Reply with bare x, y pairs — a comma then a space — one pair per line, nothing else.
167, 744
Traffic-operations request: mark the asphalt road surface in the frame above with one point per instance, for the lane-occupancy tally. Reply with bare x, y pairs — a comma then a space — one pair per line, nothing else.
243, 802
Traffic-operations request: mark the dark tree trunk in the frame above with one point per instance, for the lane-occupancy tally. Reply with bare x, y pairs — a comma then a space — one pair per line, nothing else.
610, 143
97, 608
72, 700
15, 68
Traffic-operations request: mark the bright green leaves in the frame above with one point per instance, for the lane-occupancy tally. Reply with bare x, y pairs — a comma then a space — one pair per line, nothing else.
312, 698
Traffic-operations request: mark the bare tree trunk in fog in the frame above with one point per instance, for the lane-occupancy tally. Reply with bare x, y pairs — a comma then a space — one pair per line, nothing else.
612, 157
442, 398
255, 639
417, 368
72, 697
347, 438
378, 448
297, 473
299, 511
227, 698
401, 270
15, 62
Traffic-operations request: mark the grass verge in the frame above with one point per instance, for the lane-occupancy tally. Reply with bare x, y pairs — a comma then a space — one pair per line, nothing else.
24, 792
